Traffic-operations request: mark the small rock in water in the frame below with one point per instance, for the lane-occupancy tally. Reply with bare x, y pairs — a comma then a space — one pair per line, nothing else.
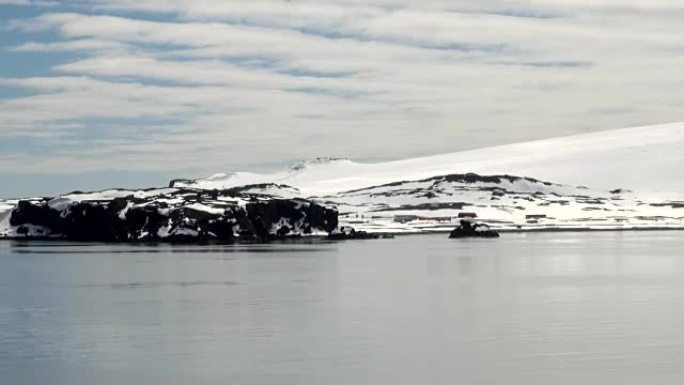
348, 232
473, 229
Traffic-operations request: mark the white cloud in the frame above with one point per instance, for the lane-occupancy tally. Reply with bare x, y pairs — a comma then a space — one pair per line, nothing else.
72, 45
35, 3
247, 83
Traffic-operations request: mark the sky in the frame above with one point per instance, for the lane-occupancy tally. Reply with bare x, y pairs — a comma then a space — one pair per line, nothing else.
133, 93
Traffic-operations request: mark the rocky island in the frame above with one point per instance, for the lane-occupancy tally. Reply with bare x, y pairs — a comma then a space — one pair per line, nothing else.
468, 229
172, 214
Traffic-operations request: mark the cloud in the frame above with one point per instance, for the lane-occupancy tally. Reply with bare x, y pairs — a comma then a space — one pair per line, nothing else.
81, 45
35, 3
158, 85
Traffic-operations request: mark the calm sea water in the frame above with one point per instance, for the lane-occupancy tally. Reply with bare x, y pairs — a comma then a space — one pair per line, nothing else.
583, 308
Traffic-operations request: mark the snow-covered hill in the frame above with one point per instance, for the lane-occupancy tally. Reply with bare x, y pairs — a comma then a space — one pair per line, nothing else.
645, 159
504, 202
612, 179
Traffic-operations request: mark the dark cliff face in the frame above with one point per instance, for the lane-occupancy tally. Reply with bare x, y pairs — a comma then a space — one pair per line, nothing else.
176, 215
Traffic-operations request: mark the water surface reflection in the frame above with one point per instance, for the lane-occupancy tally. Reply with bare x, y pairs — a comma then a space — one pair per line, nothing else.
604, 308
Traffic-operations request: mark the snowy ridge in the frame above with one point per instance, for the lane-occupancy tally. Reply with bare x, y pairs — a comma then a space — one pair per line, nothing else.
505, 202
641, 166
646, 159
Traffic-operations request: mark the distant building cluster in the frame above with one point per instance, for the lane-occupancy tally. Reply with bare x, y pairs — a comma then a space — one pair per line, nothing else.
411, 218
530, 218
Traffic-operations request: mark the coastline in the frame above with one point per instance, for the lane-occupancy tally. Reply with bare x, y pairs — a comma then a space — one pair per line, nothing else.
320, 237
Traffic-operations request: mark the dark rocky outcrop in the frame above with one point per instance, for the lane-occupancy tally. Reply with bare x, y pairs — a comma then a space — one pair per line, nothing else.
466, 179
171, 215
471, 229
348, 232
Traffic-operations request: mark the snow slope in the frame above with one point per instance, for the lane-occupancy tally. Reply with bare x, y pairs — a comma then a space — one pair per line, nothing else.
647, 159
617, 179
504, 202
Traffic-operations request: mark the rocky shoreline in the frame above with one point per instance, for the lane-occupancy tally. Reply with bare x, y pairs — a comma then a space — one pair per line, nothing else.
188, 211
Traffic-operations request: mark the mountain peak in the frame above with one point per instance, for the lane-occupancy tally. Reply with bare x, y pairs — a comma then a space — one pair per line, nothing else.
301, 165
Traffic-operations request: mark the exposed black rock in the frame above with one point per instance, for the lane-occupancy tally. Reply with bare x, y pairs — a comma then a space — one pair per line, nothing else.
301, 165
471, 229
176, 216
469, 178
255, 187
427, 206
347, 232
173, 182
674, 205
